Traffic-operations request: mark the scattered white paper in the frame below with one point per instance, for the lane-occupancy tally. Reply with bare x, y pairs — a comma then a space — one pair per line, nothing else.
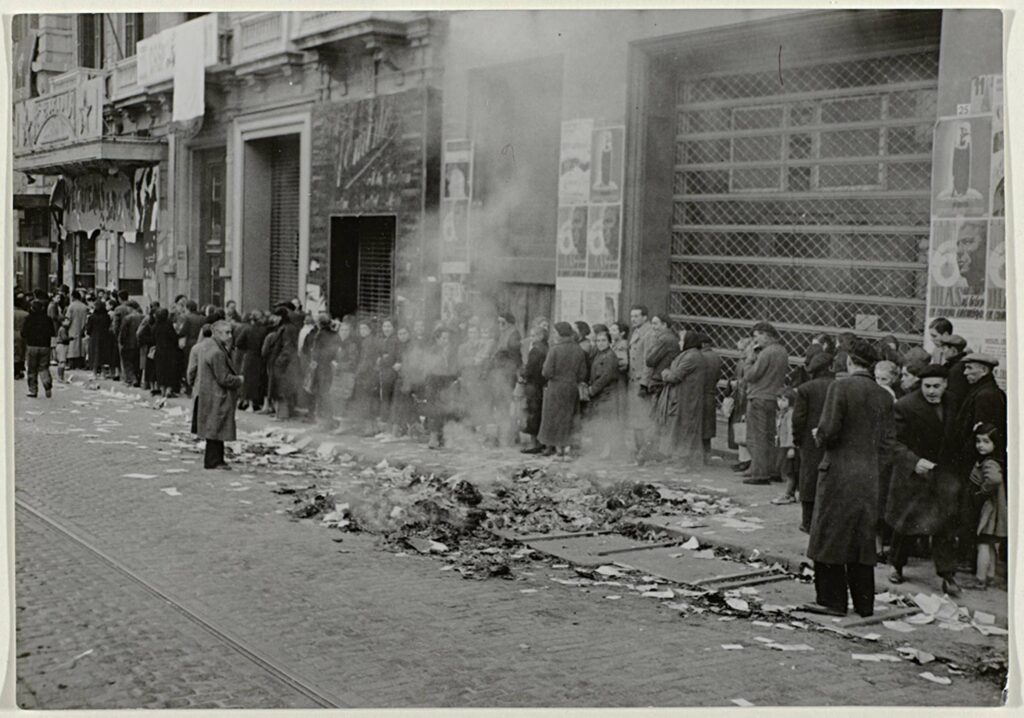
171, 491
743, 702
692, 543
732, 647
737, 604
138, 476
175, 471
941, 680
666, 593
875, 657
706, 553
898, 626
984, 618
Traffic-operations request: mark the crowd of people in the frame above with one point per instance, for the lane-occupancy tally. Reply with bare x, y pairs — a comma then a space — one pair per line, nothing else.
889, 451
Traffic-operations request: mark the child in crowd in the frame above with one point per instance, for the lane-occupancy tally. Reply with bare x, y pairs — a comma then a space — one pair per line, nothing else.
785, 451
63, 341
989, 490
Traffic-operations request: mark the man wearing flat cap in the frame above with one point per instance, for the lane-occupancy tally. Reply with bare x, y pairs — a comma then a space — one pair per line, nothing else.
952, 350
924, 493
984, 402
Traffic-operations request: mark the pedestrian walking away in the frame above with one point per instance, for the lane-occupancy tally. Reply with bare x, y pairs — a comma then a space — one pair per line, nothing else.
36, 333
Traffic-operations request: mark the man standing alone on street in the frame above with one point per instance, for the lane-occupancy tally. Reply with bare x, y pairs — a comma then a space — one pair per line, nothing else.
856, 430
216, 389
766, 378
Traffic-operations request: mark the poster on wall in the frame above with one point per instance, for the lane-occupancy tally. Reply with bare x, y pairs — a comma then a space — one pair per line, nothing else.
458, 169
957, 268
453, 295
574, 162
607, 155
455, 236
995, 272
997, 180
571, 254
604, 240
595, 301
961, 167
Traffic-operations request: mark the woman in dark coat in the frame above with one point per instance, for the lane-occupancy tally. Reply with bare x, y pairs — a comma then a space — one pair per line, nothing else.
857, 431
249, 344
101, 340
564, 368
402, 413
389, 350
442, 371
166, 355
605, 388
366, 394
532, 381
681, 403
324, 347
283, 363
810, 400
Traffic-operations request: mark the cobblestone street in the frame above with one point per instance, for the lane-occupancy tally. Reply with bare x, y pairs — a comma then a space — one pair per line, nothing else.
179, 571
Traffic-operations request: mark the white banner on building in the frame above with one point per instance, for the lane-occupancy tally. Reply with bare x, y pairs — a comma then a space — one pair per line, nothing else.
155, 55
189, 73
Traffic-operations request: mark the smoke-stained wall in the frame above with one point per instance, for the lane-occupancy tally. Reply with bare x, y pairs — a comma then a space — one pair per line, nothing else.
376, 156
513, 231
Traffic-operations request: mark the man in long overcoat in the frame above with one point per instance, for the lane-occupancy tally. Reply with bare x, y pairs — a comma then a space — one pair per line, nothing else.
216, 389
712, 373
856, 430
984, 402
642, 339
810, 401
924, 493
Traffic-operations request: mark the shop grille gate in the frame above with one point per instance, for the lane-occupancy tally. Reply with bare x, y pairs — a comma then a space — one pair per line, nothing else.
376, 275
807, 203
284, 224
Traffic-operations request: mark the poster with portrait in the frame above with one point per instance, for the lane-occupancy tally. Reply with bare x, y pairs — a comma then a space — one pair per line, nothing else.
604, 240
574, 162
571, 250
997, 182
606, 164
455, 235
957, 268
995, 272
961, 167
453, 295
458, 169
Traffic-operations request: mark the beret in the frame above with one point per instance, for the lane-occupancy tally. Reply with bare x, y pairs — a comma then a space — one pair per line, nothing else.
929, 371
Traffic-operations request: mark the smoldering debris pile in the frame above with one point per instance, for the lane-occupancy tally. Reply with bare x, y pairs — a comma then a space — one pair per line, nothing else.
459, 519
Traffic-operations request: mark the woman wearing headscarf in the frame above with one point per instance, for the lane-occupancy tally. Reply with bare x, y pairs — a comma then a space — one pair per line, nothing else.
78, 312
441, 373
283, 362
681, 404
166, 354
565, 368
249, 344
97, 327
531, 379
664, 349
366, 393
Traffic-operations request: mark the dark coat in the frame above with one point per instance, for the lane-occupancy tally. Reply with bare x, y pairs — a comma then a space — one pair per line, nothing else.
712, 373
564, 368
856, 429
250, 345
957, 386
922, 505
533, 388
663, 352
986, 402
684, 389
191, 328
167, 356
810, 400
127, 335
216, 390
101, 340
605, 386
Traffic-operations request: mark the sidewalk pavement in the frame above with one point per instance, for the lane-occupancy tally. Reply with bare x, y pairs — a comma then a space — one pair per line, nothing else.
756, 530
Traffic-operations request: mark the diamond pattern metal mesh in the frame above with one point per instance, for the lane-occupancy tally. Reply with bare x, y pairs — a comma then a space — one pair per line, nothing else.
805, 204
869, 72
